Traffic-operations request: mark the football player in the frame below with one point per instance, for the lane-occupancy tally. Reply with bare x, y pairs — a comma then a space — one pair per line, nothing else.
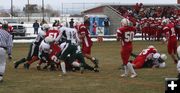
87, 44
33, 51
45, 52
172, 40
126, 35
142, 57
158, 60
178, 64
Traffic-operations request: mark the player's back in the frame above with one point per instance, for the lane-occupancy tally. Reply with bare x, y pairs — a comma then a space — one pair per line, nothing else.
127, 34
52, 32
72, 35
146, 52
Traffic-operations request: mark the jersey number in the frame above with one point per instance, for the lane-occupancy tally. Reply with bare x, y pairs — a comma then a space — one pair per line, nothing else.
54, 35
129, 36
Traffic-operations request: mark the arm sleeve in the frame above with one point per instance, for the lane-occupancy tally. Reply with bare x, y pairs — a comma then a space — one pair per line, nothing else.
77, 37
9, 45
58, 37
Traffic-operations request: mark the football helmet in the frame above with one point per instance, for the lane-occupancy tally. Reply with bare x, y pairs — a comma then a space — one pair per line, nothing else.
125, 22
5, 25
45, 47
49, 39
178, 51
178, 66
163, 56
42, 34
150, 46
45, 27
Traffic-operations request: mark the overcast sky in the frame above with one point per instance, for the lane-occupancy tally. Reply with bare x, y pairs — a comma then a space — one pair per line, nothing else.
56, 4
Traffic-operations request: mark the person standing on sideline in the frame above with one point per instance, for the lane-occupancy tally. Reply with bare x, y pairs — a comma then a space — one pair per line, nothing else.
126, 34
106, 25
71, 23
36, 27
5, 44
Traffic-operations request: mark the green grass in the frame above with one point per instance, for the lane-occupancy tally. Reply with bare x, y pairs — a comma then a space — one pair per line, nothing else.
108, 80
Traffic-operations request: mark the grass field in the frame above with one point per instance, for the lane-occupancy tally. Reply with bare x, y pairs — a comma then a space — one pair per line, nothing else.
108, 80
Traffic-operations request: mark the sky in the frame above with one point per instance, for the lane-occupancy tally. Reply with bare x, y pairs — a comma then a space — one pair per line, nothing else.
57, 4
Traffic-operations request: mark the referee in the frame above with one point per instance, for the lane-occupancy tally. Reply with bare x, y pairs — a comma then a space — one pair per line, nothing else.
5, 44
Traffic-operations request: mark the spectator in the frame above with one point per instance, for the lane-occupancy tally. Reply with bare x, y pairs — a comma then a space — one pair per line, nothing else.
36, 27
71, 23
86, 22
106, 24
94, 27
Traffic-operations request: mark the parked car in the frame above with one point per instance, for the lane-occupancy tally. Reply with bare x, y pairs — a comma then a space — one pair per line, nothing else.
19, 29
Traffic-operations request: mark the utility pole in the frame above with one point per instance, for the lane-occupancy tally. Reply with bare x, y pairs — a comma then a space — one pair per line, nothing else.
43, 9
12, 8
28, 11
62, 10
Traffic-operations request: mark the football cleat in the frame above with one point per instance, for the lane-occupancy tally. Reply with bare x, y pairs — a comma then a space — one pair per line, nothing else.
96, 62
16, 65
178, 76
26, 66
82, 70
133, 75
38, 67
124, 75
96, 69
73, 69
45, 67
175, 61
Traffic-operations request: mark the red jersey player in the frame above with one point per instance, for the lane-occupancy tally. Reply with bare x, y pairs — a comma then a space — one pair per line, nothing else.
172, 40
53, 32
139, 61
126, 34
87, 44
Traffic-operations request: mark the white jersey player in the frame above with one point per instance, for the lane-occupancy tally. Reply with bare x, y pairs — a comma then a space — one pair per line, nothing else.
178, 64
68, 34
72, 35
44, 48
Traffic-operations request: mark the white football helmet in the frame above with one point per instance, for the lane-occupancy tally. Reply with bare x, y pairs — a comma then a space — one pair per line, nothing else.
125, 22
163, 56
178, 51
42, 34
178, 66
156, 55
151, 46
49, 39
45, 27
44, 47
